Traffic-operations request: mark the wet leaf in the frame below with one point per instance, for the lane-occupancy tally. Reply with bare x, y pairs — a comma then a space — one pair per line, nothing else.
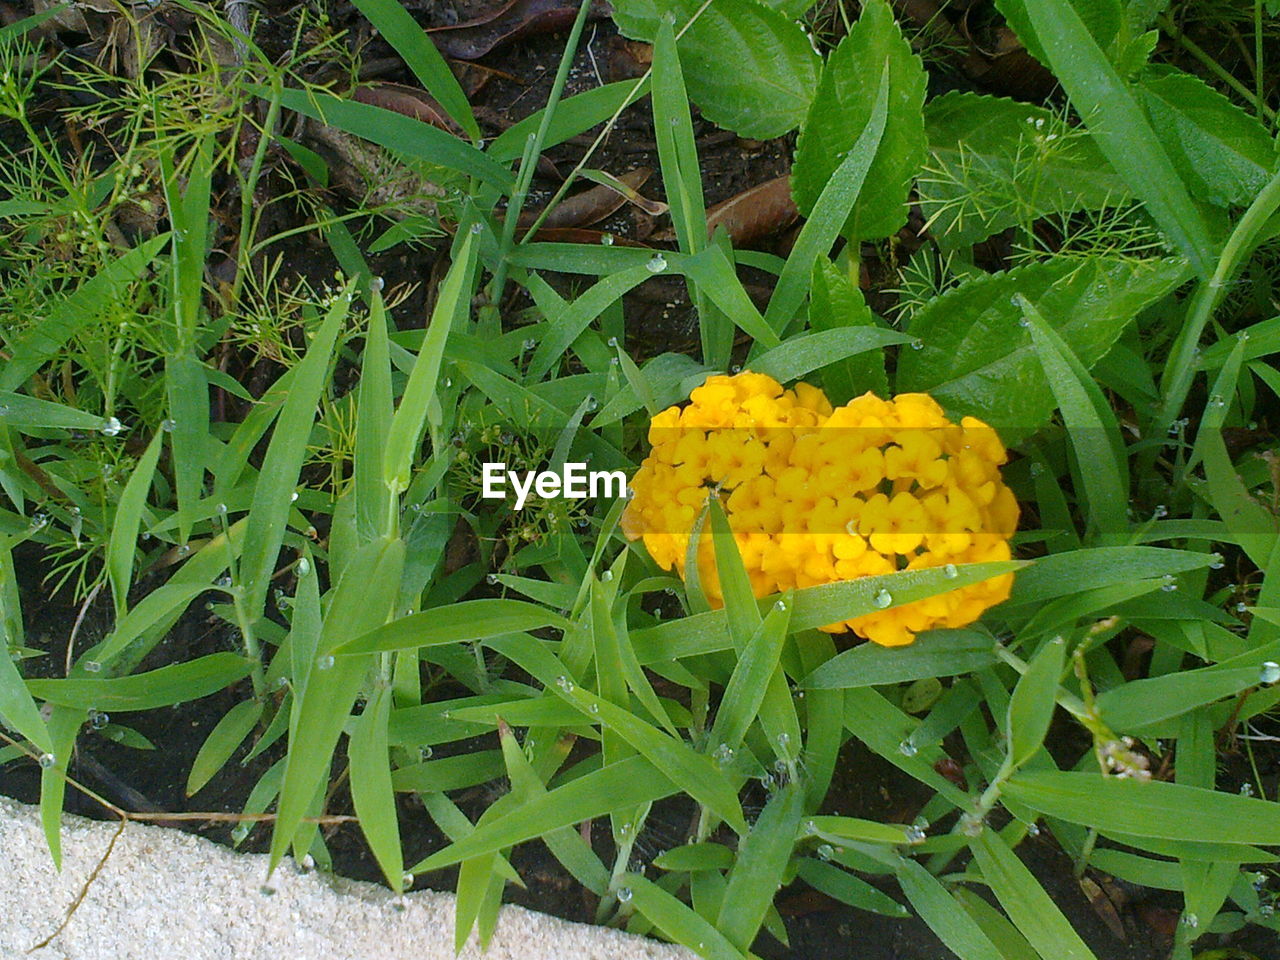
519, 18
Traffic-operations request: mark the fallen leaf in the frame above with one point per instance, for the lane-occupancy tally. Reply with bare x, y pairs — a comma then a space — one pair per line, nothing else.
763, 210
408, 101
519, 18
592, 205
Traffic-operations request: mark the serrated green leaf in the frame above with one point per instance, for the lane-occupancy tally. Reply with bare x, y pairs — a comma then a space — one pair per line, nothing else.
842, 108
1224, 155
775, 69
978, 360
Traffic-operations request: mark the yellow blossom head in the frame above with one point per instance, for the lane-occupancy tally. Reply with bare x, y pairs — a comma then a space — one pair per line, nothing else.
815, 495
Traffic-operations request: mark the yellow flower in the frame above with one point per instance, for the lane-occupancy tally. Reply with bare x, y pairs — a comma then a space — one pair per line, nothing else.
815, 495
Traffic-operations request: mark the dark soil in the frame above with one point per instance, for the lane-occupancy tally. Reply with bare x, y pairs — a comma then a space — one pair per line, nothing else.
659, 320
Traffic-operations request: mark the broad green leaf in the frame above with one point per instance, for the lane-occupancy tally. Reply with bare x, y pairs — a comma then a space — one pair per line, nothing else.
1025, 901
222, 741
1224, 155
162, 687
1170, 811
842, 109
371, 790
1034, 699
695, 856
996, 163
775, 69
1112, 114
66, 317
977, 359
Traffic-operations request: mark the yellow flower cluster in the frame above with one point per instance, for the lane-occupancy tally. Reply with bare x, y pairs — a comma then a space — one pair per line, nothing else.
815, 495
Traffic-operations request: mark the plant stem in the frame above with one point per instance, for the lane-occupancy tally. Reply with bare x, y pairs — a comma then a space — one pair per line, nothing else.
1193, 48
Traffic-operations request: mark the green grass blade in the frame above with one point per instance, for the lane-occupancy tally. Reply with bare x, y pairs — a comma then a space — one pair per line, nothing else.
374, 410
762, 860
829, 213
1029, 907
222, 741
124, 528
1034, 698
678, 921
423, 58
455, 623
162, 687
371, 791
419, 393
273, 493
1168, 811
939, 910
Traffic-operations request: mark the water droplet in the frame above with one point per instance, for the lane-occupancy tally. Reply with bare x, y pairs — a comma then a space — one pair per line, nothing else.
594, 708
624, 894
917, 344
293, 497
491, 579
1241, 607
407, 880
1037, 468
606, 576
477, 229
1216, 562
92, 666
883, 598
950, 571
613, 341
657, 263
47, 760
376, 284
970, 825
1160, 512
98, 719
425, 751
565, 684
448, 382
1025, 322
826, 851
908, 749
1270, 673
529, 344
184, 549
780, 605
1246, 789
1191, 920
722, 755
110, 427
784, 742
239, 833
851, 528
325, 662
915, 834
607, 239
1033, 829
304, 566
1170, 583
